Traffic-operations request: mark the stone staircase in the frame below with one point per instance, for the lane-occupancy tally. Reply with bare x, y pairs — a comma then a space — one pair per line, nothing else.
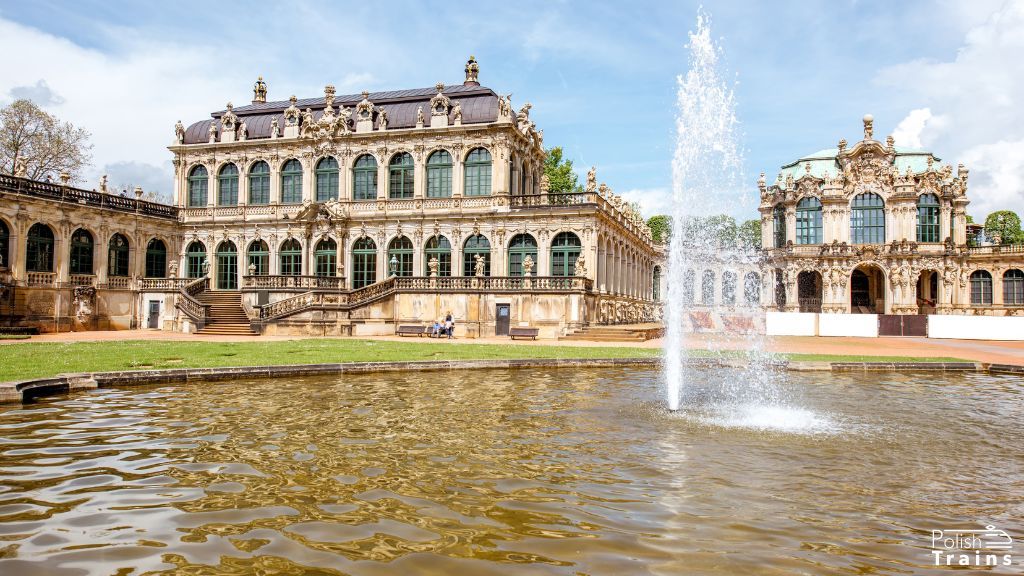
227, 317
607, 334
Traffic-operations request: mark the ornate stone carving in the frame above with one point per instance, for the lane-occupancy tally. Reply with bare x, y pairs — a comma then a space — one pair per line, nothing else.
229, 120
457, 113
259, 91
528, 265
472, 71
382, 118
869, 126
581, 265
440, 103
419, 117
291, 113
212, 132
592, 180
179, 132
480, 267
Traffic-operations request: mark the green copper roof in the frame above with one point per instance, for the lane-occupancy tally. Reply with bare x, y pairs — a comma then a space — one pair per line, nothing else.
824, 162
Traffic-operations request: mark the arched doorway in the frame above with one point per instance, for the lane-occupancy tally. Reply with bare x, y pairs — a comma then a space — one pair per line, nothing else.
809, 290
927, 291
867, 290
227, 266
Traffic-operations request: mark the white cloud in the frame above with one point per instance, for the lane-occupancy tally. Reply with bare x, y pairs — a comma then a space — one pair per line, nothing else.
970, 109
652, 200
40, 93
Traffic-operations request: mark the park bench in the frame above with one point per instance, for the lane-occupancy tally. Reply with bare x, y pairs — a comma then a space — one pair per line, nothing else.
523, 333
411, 330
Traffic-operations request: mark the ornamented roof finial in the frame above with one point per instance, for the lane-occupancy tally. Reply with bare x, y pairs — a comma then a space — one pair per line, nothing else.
842, 145
890, 142
259, 91
472, 72
329, 95
869, 126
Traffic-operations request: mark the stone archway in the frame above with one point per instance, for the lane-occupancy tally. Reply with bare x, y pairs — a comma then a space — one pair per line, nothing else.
867, 290
928, 291
809, 291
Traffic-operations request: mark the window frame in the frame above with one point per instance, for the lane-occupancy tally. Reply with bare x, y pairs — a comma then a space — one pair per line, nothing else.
981, 288
566, 248
439, 174
228, 180
364, 178
259, 184
326, 258
517, 253
928, 219
327, 181
290, 258
156, 258
198, 187
469, 252
808, 221
118, 257
291, 182
401, 177
476, 179
867, 221
364, 263
435, 247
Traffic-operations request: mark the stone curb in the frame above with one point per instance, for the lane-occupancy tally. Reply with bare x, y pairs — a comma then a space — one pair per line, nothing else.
21, 391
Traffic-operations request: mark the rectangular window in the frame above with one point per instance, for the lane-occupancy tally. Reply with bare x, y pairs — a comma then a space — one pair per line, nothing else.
928, 224
326, 264
291, 189
326, 187
228, 193
259, 190
261, 262
808, 226
364, 269
981, 291
439, 182
365, 185
868, 226
291, 264
478, 180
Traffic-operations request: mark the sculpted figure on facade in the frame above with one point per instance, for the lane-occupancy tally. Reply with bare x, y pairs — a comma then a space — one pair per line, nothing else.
592, 180
581, 265
419, 117
179, 133
382, 117
229, 120
291, 113
273, 127
472, 70
440, 103
433, 265
212, 132
523, 119
243, 131
528, 265
457, 112
505, 106
480, 267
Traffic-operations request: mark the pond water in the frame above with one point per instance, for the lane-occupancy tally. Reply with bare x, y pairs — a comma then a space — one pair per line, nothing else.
509, 472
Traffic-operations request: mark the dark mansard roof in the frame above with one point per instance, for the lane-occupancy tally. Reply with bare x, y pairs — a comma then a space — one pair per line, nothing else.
479, 106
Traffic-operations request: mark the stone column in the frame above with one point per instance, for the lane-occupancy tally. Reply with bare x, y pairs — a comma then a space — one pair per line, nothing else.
211, 188
275, 184
17, 249
458, 175
243, 186
543, 266
419, 176
101, 257
344, 178
791, 224
382, 180
308, 182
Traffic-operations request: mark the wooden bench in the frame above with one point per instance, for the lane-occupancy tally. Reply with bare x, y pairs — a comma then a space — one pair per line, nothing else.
514, 333
411, 330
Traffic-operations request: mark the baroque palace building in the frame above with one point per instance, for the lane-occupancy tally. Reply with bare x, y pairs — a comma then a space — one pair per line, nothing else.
338, 215
877, 228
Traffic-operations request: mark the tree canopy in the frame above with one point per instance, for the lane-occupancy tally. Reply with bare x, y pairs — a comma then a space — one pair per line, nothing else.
562, 179
720, 230
46, 145
661, 227
1006, 225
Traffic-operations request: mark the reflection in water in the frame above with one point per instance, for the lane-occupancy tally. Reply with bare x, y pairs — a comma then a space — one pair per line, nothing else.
538, 472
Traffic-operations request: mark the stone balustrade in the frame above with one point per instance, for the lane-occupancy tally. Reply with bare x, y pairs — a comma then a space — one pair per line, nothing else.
92, 198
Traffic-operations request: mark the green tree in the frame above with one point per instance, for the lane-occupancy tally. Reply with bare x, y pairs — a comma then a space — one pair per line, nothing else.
749, 234
661, 227
1006, 225
722, 228
39, 141
562, 179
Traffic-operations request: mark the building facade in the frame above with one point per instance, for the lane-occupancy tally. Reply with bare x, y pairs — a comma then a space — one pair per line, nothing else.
877, 228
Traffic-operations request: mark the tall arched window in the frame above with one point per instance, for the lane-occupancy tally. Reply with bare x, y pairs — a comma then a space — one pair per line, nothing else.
259, 183
752, 288
364, 263
39, 256
656, 284
227, 266
327, 180
808, 221
291, 258
5, 240
400, 176
198, 181
326, 255
1013, 287
81, 252
981, 288
521, 246
474, 246
291, 182
689, 281
227, 186
707, 288
478, 173
195, 255
364, 178
565, 249
156, 259
438, 247
779, 225
928, 218
439, 175
117, 256
400, 257
259, 259
728, 288
867, 219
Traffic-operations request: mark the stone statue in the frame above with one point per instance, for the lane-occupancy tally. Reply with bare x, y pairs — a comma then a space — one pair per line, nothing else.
505, 106
472, 70
528, 265
545, 183
419, 116
382, 115
228, 120
440, 103
433, 265
212, 132
273, 127
252, 269
307, 118
457, 112
179, 132
291, 113
581, 265
364, 109
243, 131
20, 169
206, 266
523, 119
103, 184
869, 126
480, 267
173, 270
592, 179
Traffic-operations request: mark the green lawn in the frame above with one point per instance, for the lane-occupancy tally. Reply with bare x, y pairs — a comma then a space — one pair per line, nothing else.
36, 359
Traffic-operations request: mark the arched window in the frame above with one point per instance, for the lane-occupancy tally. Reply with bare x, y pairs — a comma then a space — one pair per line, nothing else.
707, 288
117, 256
156, 259
656, 284
291, 258
259, 183
779, 225
39, 257
867, 219
400, 176
439, 247
364, 178
728, 288
439, 175
1013, 287
565, 249
689, 280
364, 263
227, 266
81, 252
400, 257
521, 246
195, 256
752, 289
478, 173
227, 186
981, 288
808, 221
327, 180
326, 257
474, 246
291, 182
198, 181
259, 259
5, 240
928, 218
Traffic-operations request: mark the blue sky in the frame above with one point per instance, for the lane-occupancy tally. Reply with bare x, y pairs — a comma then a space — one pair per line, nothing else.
948, 76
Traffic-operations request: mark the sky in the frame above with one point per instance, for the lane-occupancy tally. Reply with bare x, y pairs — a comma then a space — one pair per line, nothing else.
947, 76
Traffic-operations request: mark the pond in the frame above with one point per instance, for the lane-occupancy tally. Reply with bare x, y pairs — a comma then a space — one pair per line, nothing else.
509, 472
